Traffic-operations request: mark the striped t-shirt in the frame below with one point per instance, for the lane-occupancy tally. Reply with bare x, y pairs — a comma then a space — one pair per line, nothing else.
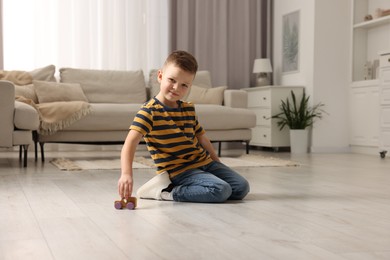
170, 136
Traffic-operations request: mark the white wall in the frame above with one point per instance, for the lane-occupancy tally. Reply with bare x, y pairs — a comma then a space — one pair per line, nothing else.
306, 42
324, 64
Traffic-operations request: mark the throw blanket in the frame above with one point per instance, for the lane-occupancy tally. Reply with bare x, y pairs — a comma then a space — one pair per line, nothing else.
16, 76
56, 116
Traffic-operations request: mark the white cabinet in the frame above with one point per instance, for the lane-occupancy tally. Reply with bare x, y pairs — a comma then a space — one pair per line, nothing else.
369, 39
384, 141
265, 102
364, 111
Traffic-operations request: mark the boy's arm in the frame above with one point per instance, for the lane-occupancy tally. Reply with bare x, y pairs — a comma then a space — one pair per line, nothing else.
125, 183
206, 144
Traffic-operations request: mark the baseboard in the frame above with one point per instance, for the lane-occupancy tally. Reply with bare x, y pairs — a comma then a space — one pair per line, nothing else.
371, 150
330, 149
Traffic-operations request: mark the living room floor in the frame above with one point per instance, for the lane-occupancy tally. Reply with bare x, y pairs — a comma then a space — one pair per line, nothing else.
332, 206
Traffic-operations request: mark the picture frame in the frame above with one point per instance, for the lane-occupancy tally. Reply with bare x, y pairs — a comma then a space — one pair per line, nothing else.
290, 42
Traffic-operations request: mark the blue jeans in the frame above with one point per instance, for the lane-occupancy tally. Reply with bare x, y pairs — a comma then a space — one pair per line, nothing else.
214, 182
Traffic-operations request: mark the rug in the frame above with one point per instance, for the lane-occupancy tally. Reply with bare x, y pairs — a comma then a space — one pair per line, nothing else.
79, 165
247, 160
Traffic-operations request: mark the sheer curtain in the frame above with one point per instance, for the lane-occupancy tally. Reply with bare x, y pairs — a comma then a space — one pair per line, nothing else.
1, 36
95, 34
226, 36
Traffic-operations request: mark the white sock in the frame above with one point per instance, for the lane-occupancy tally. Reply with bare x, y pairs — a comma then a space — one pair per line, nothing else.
165, 195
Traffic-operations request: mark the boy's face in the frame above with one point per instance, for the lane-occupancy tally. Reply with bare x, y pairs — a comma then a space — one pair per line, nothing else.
174, 84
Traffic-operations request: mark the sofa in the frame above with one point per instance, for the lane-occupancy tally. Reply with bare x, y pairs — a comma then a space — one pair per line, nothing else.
18, 121
103, 104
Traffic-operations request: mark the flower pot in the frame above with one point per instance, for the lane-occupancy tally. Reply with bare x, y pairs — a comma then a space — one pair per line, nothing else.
299, 140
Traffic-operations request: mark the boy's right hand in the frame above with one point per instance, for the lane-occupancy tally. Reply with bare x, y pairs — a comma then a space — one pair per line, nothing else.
125, 186
125, 183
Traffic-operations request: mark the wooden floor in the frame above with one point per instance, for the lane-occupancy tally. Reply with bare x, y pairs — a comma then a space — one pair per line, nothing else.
334, 206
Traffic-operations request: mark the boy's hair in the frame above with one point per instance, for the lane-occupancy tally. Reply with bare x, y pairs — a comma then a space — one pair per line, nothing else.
183, 60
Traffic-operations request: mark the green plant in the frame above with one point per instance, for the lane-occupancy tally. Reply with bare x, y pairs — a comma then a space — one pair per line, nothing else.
298, 115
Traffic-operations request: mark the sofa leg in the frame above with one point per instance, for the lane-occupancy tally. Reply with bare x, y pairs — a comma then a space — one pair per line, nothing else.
36, 151
219, 149
25, 150
35, 138
25, 155
247, 147
42, 151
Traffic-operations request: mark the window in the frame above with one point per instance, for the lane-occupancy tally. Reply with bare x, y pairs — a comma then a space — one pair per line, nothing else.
95, 34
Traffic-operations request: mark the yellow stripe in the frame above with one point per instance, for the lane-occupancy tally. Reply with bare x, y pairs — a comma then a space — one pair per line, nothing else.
162, 153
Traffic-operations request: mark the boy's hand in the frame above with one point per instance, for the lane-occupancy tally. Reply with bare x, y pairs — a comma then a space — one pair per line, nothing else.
125, 186
206, 144
125, 183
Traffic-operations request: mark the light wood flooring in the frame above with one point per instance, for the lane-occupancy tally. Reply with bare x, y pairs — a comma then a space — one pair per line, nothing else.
333, 206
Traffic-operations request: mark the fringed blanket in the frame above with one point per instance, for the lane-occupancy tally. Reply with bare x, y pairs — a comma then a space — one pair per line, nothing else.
16, 76
55, 116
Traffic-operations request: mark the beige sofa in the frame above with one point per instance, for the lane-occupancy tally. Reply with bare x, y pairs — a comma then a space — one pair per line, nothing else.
18, 121
114, 97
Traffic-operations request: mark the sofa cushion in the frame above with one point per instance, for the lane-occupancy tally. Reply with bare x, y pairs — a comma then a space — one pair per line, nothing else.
44, 73
53, 91
108, 86
20, 77
25, 117
203, 79
215, 117
199, 95
26, 91
105, 117
154, 86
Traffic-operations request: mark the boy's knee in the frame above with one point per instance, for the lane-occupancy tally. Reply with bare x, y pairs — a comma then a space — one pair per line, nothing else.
222, 192
241, 190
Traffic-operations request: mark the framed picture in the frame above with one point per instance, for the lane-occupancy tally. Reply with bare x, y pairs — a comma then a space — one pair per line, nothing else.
290, 43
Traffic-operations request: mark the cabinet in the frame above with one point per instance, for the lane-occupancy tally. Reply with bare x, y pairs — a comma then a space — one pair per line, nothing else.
368, 37
384, 135
368, 40
364, 111
265, 102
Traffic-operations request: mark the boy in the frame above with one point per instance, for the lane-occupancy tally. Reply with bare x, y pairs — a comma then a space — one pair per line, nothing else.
188, 167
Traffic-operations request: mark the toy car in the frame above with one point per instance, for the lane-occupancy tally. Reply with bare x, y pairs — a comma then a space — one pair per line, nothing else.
124, 203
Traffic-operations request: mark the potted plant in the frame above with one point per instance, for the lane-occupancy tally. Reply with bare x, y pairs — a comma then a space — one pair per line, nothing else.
298, 115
